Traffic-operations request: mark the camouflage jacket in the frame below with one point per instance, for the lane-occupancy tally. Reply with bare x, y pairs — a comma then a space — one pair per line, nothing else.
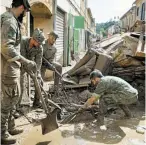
34, 53
49, 52
115, 85
10, 45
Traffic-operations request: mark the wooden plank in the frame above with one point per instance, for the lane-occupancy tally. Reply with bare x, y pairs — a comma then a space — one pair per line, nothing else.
75, 86
114, 46
109, 41
84, 80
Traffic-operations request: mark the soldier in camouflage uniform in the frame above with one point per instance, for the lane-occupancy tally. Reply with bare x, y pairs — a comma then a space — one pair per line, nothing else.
31, 48
49, 54
114, 88
10, 65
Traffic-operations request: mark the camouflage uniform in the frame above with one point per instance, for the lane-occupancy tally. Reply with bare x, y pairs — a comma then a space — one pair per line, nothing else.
34, 54
117, 90
10, 75
49, 52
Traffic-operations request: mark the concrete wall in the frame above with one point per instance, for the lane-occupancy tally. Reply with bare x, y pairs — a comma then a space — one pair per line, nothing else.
128, 19
66, 6
90, 25
4, 4
2, 9
47, 3
83, 8
139, 4
131, 17
44, 23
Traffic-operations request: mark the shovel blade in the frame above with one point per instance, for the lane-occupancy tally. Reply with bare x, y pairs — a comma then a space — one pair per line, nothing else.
49, 123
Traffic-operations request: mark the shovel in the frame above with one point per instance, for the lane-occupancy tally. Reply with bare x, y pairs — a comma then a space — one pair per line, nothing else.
49, 123
73, 116
70, 118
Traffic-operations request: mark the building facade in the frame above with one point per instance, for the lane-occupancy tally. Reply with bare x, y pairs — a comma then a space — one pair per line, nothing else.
140, 9
136, 12
70, 18
128, 19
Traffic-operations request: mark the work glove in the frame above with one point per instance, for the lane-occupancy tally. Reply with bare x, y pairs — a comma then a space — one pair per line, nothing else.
30, 67
48, 65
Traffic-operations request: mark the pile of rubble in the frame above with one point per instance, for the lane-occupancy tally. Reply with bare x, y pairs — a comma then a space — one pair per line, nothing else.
120, 55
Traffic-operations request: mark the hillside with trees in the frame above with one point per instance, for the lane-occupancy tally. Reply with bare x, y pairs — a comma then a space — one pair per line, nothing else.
102, 27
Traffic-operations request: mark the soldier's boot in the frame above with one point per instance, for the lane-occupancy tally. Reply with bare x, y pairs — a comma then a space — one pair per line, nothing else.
7, 139
15, 131
102, 111
126, 110
36, 102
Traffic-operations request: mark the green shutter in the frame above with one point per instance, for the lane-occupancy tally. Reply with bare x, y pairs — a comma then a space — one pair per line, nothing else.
76, 40
79, 22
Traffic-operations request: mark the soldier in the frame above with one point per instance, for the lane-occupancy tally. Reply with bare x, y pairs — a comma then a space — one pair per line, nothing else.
10, 65
49, 54
31, 48
114, 88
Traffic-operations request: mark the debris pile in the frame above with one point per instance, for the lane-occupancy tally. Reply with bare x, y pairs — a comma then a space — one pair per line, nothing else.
120, 55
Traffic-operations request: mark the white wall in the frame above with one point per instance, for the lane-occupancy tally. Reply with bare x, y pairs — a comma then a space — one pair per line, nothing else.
44, 23
67, 7
139, 4
6, 3
2, 9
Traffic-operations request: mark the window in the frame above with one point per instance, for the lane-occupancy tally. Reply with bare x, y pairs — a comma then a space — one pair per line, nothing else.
138, 11
143, 12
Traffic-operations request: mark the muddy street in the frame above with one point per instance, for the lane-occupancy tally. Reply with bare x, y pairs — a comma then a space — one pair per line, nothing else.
73, 72
119, 131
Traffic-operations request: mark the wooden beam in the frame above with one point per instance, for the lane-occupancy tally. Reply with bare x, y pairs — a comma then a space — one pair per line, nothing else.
75, 86
114, 46
109, 41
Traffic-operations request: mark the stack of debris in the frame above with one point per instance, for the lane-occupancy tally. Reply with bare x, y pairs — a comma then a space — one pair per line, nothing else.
120, 55
129, 61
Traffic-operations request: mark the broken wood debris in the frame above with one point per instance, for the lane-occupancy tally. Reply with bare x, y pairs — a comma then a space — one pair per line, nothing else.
120, 55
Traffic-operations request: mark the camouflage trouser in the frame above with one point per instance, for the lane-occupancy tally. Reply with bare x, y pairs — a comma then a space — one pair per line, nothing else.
118, 99
24, 98
9, 98
57, 77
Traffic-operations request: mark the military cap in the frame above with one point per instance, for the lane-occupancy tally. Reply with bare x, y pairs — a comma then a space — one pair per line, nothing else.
54, 33
25, 3
38, 35
96, 73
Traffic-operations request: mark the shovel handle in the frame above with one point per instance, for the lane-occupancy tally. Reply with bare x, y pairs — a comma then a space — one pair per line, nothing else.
50, 101
38, 89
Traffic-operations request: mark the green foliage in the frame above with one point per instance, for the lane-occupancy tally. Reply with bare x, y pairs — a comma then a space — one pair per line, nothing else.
102, 27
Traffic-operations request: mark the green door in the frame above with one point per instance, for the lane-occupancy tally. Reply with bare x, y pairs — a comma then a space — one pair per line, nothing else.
76, 40
70, 38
